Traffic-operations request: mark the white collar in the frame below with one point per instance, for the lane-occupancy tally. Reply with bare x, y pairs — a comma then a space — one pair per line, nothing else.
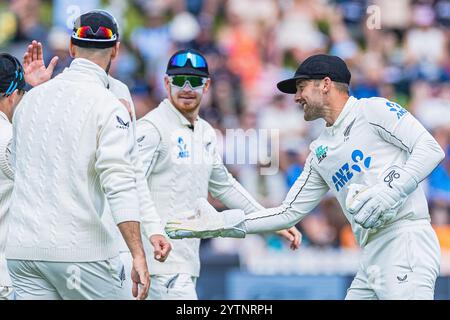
344, 112
83, 65
179, 115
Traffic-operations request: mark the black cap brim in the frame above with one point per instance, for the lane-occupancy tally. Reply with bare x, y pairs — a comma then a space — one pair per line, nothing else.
187, 71
290, 85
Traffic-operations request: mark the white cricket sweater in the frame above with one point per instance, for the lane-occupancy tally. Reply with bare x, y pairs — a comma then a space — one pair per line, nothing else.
182, 164
71, 147
6, 186
369, 136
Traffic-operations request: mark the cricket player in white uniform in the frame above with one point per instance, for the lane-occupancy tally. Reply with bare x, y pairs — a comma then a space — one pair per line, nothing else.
182, 163
72, 145
372, 155
12, 84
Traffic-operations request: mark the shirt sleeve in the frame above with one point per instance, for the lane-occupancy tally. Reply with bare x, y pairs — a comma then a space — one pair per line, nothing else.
224, 187
114, 164
400, 128
149, 143
151, 222
302, 198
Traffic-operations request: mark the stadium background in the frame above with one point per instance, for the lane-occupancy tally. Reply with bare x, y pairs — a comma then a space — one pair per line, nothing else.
395, 49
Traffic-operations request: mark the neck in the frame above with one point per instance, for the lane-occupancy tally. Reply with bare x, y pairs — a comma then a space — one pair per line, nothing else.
101, 62
191, 116
335, 108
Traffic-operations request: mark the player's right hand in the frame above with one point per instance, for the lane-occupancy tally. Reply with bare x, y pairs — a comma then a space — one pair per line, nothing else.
33, 63
161, 247
140, 278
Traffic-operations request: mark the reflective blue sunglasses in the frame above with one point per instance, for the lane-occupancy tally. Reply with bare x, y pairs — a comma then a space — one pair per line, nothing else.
181, 59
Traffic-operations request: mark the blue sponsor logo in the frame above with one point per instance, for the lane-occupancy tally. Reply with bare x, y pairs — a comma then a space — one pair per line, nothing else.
182, 149
395, 107
348, 170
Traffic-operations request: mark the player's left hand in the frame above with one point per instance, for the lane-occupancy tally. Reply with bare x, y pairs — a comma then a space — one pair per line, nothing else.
33, 63
292, 235
373, 206
161, 247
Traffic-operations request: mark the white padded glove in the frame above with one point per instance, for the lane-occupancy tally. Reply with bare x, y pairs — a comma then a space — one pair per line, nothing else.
373, 206
205, 222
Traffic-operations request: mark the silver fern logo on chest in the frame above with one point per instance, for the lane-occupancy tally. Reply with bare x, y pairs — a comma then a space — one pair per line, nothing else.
348, 129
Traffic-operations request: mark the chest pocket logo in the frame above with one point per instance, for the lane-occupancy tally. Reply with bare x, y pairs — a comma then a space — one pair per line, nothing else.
182, 149
347, 171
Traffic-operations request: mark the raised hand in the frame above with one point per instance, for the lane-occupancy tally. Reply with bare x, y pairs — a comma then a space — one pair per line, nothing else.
33, 63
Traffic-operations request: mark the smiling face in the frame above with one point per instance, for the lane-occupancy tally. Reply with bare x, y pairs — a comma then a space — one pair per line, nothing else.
186, 99
309, 96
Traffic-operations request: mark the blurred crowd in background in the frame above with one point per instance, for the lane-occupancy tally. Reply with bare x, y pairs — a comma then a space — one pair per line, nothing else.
394, 49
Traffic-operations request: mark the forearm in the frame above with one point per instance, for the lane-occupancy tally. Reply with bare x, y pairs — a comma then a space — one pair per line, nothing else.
272, 219
131, 233
235, 196
151, 222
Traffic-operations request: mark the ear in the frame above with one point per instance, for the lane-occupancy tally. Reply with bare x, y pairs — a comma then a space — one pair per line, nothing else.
167, 84
72, 50
115, 50
207, 85
326, 85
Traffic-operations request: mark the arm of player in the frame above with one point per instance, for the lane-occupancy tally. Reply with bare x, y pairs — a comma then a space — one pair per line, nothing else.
398, 127
118, 180
139, 273
230, 192
114, 167
302, 198
150, 220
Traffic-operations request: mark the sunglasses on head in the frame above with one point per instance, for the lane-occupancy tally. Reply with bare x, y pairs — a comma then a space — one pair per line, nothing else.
194, 81
180, 60
102, 33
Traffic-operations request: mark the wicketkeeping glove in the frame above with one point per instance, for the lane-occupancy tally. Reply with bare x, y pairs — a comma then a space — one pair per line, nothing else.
205, 222
373, 206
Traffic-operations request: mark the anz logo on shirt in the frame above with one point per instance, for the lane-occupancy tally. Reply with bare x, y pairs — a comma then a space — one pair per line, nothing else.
182, 149
348, 170
395, 107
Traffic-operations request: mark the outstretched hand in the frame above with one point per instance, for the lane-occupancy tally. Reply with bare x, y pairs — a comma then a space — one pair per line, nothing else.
33, 63
292, 235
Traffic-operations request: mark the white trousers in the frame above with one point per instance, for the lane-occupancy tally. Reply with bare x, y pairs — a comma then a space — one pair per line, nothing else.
44, 280
401, 262
180, 286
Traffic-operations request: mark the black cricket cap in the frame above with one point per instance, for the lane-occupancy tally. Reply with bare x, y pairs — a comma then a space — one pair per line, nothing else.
11, 74
317, 67
187, 62
95, 19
